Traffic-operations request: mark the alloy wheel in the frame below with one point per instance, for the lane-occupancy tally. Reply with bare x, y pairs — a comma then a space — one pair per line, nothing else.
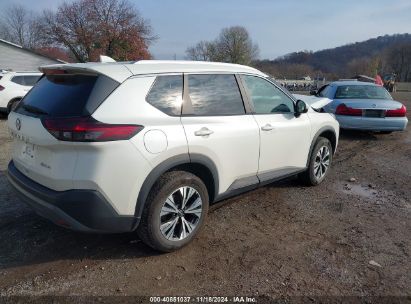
321, 162
181, 213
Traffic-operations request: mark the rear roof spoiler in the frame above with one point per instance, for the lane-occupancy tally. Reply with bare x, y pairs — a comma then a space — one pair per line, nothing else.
115, 71
105, 59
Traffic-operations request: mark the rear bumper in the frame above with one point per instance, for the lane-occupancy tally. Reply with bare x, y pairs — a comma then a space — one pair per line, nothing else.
82, 210
372, 124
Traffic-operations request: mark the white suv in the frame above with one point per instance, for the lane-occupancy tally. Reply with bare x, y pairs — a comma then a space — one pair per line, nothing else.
147, 146
14, 86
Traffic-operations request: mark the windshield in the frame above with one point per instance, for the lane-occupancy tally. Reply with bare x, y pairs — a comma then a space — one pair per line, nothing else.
362, 92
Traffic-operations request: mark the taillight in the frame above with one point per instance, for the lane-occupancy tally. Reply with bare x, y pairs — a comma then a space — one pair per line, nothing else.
87, 129
342, 109
1, 88
401, 112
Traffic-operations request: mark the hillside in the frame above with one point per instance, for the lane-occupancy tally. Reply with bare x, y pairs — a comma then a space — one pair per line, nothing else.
335, 61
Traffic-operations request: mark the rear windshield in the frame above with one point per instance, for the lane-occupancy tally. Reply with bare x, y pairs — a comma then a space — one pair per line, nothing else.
362, 92
66, 95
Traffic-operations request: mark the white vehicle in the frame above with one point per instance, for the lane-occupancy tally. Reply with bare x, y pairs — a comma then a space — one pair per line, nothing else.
14, 86
147, 146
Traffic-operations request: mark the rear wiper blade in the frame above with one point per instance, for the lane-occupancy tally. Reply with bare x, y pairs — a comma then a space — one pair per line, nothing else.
34, 110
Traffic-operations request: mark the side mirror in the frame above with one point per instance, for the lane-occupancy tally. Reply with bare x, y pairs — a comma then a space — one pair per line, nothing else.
313, 92
300, 107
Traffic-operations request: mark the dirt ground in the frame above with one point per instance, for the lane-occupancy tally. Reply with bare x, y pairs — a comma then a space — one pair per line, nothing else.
340, 238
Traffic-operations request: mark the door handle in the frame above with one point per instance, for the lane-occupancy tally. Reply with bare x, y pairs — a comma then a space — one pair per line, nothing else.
203, 132
267, 127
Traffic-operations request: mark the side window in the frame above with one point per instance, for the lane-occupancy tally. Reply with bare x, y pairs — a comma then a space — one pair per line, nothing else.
30, 80
18, 79
167, 94
215, 95
266, 97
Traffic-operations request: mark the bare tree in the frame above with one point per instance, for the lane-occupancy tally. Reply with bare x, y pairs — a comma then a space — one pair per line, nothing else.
202, 51
233, 45
357, 66
89, 28
21, 26
398, 61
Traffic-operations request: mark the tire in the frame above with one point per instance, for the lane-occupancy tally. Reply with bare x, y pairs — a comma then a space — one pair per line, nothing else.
312, 176
158, 211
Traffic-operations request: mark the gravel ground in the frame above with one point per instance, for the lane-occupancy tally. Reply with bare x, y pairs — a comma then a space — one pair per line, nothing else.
342, 238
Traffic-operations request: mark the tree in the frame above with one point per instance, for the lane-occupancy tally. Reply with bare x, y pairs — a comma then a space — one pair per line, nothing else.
55, 52
367, 57
89, 28
282, 70
363, 66
398, 61
202, 51
233, 45
296, 71
20, 26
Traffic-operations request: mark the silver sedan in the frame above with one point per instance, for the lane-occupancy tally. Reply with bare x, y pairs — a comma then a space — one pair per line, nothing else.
364, 106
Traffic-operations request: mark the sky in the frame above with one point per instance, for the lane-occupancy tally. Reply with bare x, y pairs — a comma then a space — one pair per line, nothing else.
278, 27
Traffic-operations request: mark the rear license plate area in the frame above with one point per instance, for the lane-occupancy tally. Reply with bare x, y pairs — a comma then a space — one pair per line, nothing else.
28, 152
373, 113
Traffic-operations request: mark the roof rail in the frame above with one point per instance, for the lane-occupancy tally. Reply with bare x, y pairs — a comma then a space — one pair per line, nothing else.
19, 72
37, 72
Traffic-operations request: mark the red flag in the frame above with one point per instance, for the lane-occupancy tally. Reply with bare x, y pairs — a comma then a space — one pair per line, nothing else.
378, 80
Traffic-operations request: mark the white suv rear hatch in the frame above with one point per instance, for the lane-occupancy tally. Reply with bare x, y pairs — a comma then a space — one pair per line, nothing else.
44, 125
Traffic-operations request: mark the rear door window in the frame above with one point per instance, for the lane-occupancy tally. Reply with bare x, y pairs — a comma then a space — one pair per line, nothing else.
213, 95
66, 95
18, 79
25, 80
166, 94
